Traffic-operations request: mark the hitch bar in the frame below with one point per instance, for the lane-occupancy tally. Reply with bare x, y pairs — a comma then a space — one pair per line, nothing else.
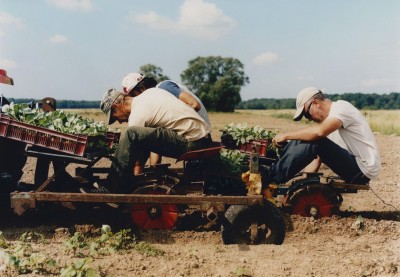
20, 201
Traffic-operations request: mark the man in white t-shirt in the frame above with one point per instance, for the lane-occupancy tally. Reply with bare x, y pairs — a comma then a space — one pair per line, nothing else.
356, 161
159, 123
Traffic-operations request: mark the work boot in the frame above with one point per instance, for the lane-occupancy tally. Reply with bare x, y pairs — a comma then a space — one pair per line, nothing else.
125, 182
117, 183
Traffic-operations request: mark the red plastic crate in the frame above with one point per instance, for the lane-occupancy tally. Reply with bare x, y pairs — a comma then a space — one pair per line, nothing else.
260, 145
112, 138
50, 139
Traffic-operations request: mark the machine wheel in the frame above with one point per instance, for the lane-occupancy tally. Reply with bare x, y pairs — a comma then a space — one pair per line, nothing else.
154, 216
253, 225
314, 200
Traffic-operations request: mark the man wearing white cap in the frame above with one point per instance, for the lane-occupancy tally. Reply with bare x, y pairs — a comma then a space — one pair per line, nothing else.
134, 84
358, 161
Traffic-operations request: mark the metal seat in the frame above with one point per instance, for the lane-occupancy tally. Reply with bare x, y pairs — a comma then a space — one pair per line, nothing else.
204, 153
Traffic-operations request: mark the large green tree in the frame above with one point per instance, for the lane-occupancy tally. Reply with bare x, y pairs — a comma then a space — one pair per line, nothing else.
153, 71
216, 81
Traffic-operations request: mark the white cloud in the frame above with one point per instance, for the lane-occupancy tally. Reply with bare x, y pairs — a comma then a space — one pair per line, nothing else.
266, 58
58, 39
72, 5
8, 19
155, 21
5, 63
196, 18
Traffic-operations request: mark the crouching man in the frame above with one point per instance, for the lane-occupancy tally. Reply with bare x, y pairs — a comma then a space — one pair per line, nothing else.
342, 140
158, 122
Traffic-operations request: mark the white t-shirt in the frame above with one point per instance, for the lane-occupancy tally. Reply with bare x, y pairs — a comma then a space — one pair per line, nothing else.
176, 89
336, 138
158, 108
358, 137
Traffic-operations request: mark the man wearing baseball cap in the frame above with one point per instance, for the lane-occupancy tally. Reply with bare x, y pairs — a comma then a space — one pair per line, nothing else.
159, 123
342, 140
135, 83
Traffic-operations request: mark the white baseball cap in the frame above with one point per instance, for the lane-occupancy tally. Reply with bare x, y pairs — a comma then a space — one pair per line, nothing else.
130, 81
302, 98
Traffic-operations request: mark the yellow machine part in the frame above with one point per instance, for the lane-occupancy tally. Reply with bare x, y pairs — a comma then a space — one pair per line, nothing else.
253, 182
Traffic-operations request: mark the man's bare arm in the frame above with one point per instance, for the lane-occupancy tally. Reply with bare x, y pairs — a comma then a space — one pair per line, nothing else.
189, 100
310, 133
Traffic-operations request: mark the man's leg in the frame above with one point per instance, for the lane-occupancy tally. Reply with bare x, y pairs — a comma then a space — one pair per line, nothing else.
155, 158
135, 145
341, 161
313, 166
298, 154
295, 156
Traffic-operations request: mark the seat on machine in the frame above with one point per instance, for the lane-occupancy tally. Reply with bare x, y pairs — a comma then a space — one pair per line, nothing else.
211, 151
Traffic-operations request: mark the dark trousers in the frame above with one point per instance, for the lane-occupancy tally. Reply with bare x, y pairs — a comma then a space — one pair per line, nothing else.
298, 154
12, 157
136, 143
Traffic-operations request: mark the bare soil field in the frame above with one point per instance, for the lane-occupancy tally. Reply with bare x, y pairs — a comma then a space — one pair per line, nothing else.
362, 240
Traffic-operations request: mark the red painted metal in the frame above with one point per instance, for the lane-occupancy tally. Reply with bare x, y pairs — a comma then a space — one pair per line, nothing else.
4, 78
154, 216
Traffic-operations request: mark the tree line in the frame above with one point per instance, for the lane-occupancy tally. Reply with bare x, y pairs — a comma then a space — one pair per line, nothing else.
217, 81
61, 104
371, 101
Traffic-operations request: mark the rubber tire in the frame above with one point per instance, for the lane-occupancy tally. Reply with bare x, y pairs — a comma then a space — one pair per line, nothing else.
238, 218
326, 199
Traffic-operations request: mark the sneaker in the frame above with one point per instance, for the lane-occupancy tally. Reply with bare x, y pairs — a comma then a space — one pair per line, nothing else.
99, 189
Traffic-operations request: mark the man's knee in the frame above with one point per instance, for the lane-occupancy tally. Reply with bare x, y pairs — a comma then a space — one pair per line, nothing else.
302, 147
132, 133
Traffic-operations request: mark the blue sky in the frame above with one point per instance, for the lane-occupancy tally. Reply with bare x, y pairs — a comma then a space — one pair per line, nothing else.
77, 49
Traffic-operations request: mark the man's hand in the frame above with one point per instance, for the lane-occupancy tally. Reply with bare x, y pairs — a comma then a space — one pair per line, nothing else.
279, 140
310, 133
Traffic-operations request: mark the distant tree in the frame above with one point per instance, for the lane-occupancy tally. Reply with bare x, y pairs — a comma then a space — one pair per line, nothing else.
267, 104
150, 70
372, 101
216, 81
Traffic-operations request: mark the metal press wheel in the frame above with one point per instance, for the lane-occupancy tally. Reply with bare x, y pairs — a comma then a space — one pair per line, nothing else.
253, 225
314, 200
154, 216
